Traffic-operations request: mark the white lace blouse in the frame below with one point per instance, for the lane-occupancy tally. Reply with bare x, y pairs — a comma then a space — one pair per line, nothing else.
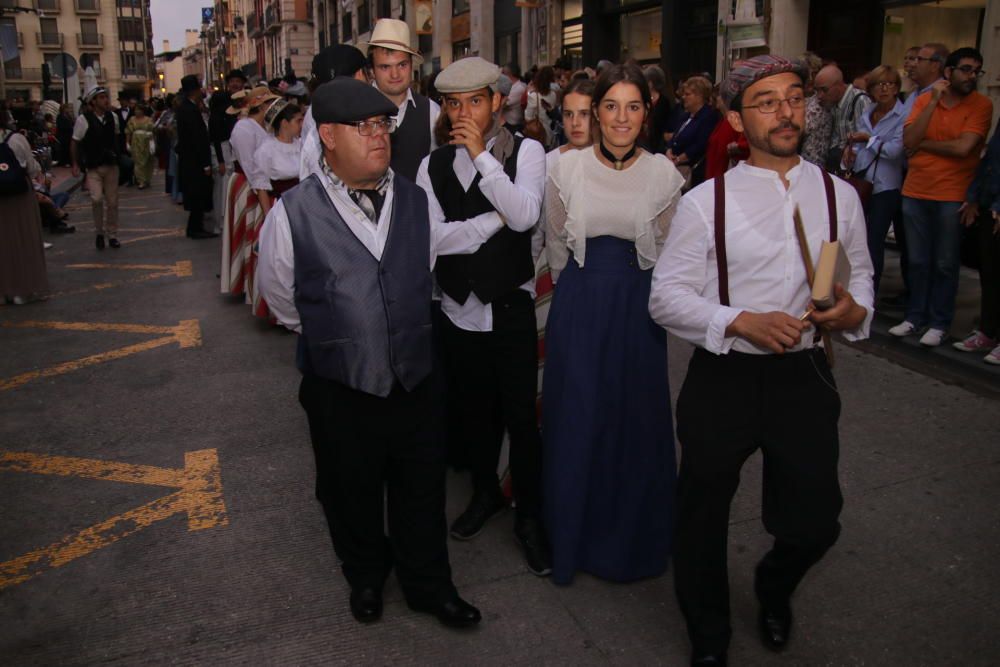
585, 198
277, 160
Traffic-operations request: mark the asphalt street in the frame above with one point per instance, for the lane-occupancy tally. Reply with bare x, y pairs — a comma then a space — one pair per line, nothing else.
156, 501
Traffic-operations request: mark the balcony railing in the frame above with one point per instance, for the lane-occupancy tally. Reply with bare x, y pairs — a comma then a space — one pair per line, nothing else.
49, 40
48, 6
272, 18
88, 6
253, 24
133, 74
89, 39
18, 73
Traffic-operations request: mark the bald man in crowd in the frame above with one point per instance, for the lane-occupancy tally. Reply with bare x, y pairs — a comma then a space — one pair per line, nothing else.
842, 99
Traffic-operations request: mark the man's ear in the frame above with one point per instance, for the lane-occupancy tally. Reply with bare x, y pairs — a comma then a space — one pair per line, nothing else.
735, 120
497, 101
326, 135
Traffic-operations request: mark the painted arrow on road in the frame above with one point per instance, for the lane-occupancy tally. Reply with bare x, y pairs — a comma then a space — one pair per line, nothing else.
199, 495
180, 269
186, 334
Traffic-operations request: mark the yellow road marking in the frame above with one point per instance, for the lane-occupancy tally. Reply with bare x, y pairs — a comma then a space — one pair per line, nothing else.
199, 496
181, 269
186, 334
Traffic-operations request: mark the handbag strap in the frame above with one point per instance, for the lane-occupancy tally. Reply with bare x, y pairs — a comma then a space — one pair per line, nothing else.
720, 239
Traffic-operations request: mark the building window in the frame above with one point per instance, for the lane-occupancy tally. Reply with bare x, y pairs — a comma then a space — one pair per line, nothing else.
346, 32
459, 7
364, 17
508, 47
460, 49
48, 27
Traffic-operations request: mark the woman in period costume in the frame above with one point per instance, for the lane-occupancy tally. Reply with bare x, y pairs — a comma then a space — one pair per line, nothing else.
277, 159
22, 259
245, 184
609, 453
139, 134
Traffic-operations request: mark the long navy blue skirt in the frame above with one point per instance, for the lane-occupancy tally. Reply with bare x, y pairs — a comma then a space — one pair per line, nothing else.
609, 467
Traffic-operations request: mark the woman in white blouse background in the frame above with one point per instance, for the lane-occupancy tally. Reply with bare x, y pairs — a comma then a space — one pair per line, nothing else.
277, 160
609, 455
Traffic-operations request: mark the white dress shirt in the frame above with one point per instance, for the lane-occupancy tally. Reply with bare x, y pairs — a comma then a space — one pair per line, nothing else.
309, 158
518, 203
276, 259
765, 265
246, 138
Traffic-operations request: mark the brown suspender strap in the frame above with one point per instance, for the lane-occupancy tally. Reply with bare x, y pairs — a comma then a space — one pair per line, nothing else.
831, 204
720, 239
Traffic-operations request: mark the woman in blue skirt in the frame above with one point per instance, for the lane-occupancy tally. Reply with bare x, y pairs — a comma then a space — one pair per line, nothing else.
609, 463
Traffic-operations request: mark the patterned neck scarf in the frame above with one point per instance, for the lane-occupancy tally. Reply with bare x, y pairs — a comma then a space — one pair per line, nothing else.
369, 201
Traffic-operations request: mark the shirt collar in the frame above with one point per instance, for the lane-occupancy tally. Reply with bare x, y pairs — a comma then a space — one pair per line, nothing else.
409, 96
381, 187
761, 172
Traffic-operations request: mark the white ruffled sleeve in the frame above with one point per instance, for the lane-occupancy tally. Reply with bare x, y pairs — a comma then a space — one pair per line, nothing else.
664, 194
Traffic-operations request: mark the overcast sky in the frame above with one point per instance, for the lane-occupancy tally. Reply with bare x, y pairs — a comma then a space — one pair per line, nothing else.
171, 17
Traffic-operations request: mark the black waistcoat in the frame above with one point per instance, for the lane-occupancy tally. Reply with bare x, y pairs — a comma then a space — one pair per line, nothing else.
411, 142
503, 263
100, 144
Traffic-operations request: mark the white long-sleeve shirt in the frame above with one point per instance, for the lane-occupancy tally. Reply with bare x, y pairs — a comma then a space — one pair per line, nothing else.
765, 265
276, 258
519, 203
246, 138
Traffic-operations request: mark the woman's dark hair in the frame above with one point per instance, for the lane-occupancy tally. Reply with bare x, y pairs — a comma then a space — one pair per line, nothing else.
285, 114
580, 87
615, 74
544, 79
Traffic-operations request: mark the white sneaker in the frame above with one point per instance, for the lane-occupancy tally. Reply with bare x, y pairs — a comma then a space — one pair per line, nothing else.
933, 337
46, 245
993, 357
904, 328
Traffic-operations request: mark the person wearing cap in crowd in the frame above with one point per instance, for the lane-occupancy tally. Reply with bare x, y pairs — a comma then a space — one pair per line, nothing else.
731, 280
96, 147
332, 61
277, 158
245, 193
220, 128
194, 158
489, 331
346, 260
392, 60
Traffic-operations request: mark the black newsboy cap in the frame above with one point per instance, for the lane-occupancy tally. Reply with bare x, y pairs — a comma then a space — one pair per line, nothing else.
346, 100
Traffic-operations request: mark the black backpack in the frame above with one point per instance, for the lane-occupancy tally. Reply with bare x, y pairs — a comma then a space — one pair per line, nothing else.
13, 177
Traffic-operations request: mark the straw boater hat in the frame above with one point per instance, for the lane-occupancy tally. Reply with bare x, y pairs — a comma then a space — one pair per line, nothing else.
258, 96
237, 106
394, 35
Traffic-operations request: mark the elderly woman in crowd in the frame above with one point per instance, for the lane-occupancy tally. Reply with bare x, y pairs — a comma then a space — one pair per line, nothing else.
686, 148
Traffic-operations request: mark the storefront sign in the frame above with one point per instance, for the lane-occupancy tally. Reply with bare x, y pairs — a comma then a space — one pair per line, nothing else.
746, 36
425, 17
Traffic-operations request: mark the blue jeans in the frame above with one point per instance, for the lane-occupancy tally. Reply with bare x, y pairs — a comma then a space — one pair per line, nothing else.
882, 210
60, 199
934, 241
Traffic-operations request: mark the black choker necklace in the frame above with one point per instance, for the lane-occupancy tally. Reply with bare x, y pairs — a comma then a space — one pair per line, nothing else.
619, 163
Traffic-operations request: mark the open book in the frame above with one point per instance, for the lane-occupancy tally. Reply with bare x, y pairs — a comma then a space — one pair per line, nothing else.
833, 267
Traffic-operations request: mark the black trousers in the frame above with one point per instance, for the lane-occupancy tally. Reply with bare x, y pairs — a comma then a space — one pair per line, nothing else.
493, 379
730, 406
370, 450
989, 274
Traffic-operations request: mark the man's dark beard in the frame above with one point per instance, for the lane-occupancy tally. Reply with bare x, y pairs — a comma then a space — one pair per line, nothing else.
964, 88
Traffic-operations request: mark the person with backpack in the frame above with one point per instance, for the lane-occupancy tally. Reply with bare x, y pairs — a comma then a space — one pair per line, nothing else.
95, 146
22, 260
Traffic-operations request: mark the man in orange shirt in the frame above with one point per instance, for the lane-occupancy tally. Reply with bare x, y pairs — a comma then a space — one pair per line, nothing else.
944, 136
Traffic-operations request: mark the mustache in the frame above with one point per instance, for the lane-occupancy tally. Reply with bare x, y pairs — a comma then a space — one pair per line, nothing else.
786, 125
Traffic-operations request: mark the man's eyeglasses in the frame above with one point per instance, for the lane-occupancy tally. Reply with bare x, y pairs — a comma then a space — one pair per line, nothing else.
374, 128
969, 69
773, 104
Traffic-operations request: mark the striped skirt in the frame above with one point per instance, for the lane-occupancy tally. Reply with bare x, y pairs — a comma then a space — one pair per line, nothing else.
242, 213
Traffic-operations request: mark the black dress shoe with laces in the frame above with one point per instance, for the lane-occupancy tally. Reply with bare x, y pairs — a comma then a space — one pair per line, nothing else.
709, 660
775, 626
483, 507
453, 612
366, 604
531, 536
114, 243
99, 242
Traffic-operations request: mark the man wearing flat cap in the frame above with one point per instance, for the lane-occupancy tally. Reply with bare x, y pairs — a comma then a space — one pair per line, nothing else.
96, 147
194, 157
392, 60
331, 62
489, 329
732, 280
346, 260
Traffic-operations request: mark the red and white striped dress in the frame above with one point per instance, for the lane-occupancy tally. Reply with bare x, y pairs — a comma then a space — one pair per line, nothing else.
242, 208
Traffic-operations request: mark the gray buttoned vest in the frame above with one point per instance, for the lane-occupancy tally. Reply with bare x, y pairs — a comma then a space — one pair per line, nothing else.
365, 323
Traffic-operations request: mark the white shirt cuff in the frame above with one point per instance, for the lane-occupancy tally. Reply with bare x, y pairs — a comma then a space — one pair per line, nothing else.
486, 164
716, 340
863, 330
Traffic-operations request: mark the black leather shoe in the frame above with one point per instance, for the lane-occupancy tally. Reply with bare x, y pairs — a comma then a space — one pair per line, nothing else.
455, 612
483, 507
366, 604
709, 660
775, 626
114, 243
531, 536
99, 242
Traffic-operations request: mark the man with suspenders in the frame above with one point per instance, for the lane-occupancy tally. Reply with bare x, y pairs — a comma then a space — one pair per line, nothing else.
732, 280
